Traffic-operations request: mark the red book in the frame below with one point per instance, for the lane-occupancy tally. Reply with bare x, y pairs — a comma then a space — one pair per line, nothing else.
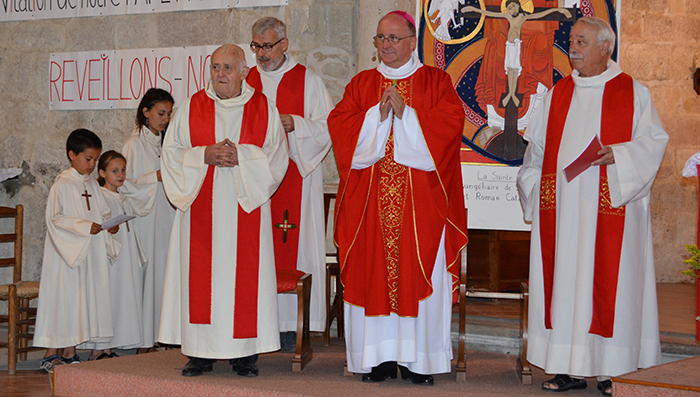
584, 160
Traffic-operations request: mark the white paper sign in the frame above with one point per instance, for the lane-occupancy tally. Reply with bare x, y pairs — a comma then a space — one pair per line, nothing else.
22, 10
491, 196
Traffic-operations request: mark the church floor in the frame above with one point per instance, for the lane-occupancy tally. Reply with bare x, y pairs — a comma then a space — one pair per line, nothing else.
676, 318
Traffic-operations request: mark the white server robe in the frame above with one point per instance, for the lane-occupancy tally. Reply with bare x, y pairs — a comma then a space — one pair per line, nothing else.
250, 184
124, 282
568, 348
153, 224
74, 296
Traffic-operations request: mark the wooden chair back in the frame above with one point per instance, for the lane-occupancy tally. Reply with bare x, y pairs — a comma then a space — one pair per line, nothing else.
14, 237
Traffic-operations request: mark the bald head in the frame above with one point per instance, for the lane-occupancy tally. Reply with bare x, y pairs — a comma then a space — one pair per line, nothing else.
228, 70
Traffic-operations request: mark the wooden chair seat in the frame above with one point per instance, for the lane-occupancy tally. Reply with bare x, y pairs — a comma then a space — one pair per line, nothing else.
25, 290
287, 279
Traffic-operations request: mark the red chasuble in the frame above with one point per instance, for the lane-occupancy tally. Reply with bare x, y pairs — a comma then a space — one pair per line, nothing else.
615, 127
286, 202
202, 133
389, 218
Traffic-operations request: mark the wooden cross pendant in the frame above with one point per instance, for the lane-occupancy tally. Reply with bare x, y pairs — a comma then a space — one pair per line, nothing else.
87, 198
127, 224
285, 226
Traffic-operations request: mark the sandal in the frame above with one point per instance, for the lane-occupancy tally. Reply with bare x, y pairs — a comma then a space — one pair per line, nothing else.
100, 357
564, 383
47, 363
604, 386
113, 354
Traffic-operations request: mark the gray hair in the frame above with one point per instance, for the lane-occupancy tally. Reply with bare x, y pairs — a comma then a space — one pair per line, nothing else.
236, 51
605, 32
266, 23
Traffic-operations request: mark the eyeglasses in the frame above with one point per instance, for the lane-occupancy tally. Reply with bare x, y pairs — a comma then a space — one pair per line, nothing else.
266, 47
393, 40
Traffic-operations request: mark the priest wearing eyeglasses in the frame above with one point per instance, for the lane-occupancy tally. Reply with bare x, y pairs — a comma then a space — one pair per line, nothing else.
400, 221
297, 206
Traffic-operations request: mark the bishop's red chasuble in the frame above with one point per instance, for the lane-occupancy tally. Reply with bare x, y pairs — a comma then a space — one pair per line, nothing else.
389, 218
616, 127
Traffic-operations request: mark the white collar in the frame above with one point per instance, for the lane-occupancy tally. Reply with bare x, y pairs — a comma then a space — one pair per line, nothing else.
240, 100
612, 71
150, 137
403, 71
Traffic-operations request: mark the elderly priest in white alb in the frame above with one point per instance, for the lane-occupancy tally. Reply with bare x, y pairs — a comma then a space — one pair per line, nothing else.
592, 286
304, 104
224, 156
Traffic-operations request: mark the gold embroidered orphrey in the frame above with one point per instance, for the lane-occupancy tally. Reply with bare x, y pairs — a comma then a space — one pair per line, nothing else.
393, 190
548, 192
605, 204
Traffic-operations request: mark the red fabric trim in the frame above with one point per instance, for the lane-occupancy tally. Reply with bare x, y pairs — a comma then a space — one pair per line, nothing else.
254, 79
287, 198
245, 314
616, 127
559, 109
201, 134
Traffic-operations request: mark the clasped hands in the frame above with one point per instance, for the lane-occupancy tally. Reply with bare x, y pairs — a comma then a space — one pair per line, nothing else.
222, 154
391, 99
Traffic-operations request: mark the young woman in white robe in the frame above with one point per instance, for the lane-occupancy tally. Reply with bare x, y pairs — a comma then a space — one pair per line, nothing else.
125, 272
144, 190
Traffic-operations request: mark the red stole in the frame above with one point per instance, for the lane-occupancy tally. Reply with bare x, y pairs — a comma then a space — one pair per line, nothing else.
615, 127
285, 205
202, 133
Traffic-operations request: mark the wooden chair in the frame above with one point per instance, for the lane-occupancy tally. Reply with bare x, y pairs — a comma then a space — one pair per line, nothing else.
18, 294
523, 366
334, 304
299, 283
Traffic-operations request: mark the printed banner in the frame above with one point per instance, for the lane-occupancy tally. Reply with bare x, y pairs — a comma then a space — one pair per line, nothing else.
22, 10
118, 79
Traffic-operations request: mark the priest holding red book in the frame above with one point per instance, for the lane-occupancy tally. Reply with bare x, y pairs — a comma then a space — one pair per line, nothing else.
593, 308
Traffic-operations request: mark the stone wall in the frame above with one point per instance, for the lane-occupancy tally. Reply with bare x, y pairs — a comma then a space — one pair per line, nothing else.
322, 36
661, 48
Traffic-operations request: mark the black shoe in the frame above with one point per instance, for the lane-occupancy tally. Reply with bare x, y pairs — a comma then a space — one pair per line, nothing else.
288, 341
417, 379
245, 366
197, 366
381, 372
